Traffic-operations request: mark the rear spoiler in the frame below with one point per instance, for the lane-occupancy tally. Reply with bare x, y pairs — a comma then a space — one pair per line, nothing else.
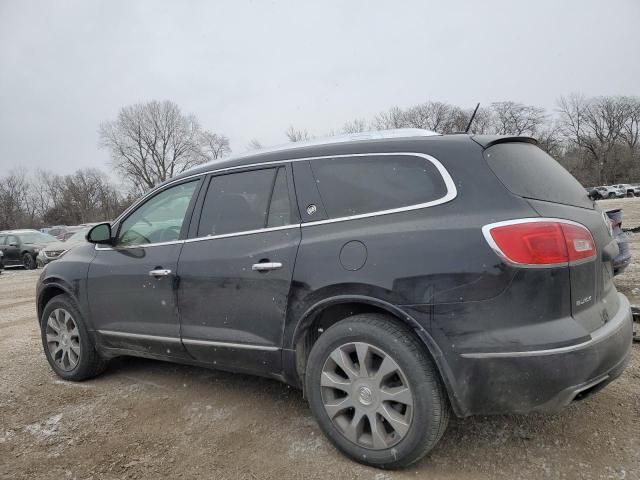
486, 141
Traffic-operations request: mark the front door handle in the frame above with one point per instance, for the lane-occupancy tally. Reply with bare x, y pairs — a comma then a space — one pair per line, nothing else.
161, 272
266, 266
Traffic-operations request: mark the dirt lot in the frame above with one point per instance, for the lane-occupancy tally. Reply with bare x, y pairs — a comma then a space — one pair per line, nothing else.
145, 419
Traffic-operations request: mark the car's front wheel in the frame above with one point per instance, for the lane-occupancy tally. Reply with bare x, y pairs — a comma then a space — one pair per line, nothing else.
375, 392
66, 341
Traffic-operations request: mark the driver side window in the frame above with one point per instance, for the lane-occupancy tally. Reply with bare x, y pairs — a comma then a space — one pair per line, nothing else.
159, 219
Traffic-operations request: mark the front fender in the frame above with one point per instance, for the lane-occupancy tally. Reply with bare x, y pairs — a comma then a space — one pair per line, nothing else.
69, 275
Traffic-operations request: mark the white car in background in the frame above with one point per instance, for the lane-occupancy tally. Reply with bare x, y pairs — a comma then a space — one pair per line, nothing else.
628, 189
610, 191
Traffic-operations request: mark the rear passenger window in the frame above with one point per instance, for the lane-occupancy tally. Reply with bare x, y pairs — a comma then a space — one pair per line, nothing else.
238, 202
356, 185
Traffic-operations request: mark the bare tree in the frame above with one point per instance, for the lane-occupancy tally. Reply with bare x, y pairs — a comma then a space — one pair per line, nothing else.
390, 119
84, 196
596, 126
513, 118
14, 190
214, 145
355, 126
296, 135
482, 122
435, 116
150, 143
254, 144
550, 140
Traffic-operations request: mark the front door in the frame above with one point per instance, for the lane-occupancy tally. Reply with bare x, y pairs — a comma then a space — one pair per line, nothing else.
235, 271
11, 251
132, 285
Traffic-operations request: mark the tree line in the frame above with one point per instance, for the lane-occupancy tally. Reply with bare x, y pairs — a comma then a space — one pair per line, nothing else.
44, 199
595, 138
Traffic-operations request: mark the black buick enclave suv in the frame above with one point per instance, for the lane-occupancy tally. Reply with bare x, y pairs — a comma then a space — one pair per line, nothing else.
393, 277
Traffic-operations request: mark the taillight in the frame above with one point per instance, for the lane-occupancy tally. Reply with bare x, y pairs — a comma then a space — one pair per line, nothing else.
545, 242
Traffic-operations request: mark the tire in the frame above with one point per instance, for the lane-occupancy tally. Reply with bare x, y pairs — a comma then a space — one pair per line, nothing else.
612, 195
427, 418
28, 261
88, 362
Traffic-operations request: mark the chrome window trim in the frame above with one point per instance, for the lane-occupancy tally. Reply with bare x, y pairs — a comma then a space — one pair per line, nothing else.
494, 246
450, 194
200, 239
243, 233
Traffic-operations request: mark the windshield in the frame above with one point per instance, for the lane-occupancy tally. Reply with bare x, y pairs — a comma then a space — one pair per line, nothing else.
37, 237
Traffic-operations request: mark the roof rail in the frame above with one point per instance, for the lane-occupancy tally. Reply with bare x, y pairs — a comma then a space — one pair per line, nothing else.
345, 138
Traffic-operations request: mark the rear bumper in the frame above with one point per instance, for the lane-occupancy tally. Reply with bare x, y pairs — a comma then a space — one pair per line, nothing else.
545, 379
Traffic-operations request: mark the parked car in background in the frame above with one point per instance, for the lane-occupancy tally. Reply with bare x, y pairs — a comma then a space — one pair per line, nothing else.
21, 247
630, 190
396, 277
592, 193
55, 250
57, 231
1, 261
69, 232
605, 191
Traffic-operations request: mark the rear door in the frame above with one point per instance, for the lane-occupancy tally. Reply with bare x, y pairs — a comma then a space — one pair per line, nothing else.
235, 269
553, 192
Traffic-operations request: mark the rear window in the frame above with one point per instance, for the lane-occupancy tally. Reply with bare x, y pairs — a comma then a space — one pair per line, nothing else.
529, 172
356, 185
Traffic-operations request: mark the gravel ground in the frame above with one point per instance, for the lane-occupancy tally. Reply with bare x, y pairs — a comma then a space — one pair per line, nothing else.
146, 419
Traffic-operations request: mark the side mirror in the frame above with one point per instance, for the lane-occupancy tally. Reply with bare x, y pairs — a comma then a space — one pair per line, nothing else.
100, 234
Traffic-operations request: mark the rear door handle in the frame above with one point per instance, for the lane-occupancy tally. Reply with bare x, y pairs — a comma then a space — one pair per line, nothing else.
160, 273
266, 266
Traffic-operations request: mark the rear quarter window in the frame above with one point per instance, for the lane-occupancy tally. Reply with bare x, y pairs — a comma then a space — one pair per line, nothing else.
366, 184
527, 171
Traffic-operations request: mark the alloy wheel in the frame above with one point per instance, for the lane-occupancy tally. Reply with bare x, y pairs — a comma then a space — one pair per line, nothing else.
63, 339
366, 395
28, 262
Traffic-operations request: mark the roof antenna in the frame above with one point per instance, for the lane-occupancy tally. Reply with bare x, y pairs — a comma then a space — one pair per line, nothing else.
473, 115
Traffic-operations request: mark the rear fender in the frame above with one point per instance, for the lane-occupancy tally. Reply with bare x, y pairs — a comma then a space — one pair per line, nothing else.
398, 313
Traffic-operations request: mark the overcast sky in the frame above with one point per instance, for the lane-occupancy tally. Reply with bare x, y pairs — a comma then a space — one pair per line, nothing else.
249, 69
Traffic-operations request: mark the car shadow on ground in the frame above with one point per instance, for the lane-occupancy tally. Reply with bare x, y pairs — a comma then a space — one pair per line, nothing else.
474, 437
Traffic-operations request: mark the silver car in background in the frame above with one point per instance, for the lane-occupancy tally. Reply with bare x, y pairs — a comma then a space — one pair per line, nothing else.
55, 250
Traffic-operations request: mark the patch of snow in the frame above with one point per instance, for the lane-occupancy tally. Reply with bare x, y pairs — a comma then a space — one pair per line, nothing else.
46, 428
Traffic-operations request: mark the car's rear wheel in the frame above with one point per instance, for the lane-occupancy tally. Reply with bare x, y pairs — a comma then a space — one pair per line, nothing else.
28, 261
612, 195
66, 341
375, 392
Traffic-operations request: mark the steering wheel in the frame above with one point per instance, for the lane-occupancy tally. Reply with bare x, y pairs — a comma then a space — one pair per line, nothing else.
173, 232
139, 235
